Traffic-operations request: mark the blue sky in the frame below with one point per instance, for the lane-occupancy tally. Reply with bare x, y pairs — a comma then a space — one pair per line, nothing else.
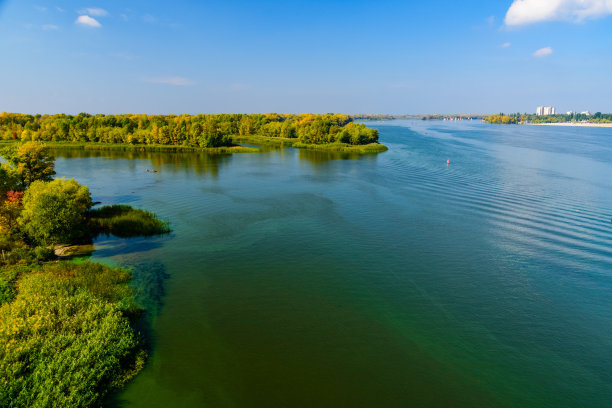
305, 56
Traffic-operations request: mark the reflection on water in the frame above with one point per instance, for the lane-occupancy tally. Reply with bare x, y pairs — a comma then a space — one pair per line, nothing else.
319, 156
198, 162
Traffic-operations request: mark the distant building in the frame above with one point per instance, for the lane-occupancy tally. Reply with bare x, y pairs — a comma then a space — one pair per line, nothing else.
586, 113
570, 113
545, 110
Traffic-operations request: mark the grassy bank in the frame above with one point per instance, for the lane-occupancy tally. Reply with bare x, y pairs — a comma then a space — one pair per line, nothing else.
279, 142
292, 142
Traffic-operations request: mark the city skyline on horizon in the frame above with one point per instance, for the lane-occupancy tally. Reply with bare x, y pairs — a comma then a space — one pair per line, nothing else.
442, 57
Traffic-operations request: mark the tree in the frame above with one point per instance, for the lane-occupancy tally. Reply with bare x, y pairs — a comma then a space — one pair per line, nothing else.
10, 208
8, 180
31, 162
55, 212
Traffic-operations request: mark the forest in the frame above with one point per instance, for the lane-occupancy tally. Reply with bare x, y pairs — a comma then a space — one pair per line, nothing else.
203, 131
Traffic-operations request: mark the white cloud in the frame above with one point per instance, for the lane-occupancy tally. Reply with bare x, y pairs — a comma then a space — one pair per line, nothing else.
94, 11
506, 45
176, 81
523, 12
88, 21
543, 52
50, 27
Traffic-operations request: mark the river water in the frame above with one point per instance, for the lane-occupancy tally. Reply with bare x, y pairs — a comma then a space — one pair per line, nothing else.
309, 279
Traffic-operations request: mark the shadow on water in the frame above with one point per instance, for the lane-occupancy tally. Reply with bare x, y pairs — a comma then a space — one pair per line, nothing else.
149, 281
198, 162
109, 246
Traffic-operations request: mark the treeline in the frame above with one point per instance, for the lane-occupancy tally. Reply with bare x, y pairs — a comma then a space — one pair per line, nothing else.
183, 130
368, 117
514, 118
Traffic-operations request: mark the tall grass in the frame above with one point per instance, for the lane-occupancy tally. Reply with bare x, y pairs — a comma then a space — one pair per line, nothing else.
124, 221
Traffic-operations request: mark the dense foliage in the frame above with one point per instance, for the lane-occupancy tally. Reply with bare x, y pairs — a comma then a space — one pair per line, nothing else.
30, 162
55, 212
65, 329
65, 339
183, 130
514, 118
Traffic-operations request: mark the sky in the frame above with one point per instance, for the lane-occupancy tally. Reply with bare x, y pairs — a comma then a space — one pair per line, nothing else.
396, 57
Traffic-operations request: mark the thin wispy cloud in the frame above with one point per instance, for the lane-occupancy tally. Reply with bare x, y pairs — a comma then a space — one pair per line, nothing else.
176, 81
88, 21
506, 45
40, 9
147, 18
58, 8
523, 12
401, 85
49, 27
543, 52
239, 86
124, 17
94, 11
125, 56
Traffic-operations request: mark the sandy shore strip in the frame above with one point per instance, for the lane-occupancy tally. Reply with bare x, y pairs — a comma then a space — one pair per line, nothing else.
577, 124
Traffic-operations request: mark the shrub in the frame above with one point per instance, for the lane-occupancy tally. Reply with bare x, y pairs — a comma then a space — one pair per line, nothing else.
65, 339
54, 212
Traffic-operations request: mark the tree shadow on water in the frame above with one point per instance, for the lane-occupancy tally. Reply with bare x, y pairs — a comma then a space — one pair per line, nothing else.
149, 281
111, 246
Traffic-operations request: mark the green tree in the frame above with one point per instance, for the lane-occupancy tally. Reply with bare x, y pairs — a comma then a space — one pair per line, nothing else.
8, 180
55, 212
30, 161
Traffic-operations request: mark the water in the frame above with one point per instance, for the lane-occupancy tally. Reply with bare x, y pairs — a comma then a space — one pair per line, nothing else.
305, 279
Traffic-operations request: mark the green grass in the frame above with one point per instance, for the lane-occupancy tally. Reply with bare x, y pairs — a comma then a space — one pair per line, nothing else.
124, 221
343, 147
9, 276
330, 147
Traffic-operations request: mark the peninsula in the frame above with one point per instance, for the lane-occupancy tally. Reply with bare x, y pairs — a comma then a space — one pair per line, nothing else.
218, 133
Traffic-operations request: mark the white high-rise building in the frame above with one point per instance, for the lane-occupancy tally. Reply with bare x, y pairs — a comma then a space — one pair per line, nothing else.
545, 110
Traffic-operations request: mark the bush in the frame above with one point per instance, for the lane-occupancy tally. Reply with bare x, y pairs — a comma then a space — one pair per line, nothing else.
54, 212
65, 340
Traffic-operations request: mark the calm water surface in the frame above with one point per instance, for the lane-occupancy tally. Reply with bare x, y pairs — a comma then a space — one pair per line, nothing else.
304, 279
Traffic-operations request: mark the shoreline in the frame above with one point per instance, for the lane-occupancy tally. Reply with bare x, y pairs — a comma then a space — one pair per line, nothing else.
261, 141
574, 124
